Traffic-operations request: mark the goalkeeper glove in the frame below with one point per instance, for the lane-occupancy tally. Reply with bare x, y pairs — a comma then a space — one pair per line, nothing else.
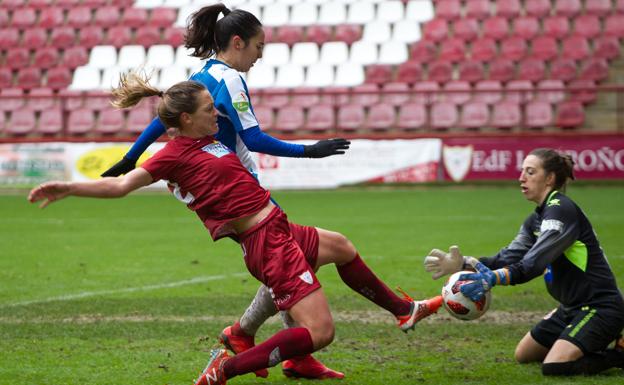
439, 263
124, 166
483, 280
326, 147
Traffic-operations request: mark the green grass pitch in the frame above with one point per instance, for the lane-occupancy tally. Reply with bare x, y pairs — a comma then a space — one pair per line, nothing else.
133, 291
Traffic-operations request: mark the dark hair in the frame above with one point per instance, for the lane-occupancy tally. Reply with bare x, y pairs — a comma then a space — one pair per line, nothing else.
179, 98
558, 163
206, 35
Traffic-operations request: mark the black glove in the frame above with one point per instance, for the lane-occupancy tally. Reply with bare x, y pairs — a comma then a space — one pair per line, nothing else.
124, 166
326, 147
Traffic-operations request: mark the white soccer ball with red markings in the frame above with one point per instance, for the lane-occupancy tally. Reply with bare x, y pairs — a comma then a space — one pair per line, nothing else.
460, 306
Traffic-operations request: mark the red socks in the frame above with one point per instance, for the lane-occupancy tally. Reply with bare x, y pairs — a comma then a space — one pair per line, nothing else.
282, 346
362, 280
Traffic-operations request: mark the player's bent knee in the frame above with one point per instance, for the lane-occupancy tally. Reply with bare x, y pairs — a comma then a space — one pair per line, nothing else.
322, 336
335, 248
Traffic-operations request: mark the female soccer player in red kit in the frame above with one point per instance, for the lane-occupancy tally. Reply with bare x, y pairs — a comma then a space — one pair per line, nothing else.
209, 178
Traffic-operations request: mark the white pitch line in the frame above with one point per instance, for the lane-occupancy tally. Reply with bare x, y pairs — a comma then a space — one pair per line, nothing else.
86, 294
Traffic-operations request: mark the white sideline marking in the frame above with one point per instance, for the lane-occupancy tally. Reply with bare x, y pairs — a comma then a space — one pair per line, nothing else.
86, 294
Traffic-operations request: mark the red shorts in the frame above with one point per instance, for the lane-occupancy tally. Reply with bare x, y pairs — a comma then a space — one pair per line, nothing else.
274, 257
308, 240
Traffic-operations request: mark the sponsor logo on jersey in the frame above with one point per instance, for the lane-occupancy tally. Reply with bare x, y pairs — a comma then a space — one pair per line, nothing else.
240, 102
548, 275
554, 202
217, 149
184, 197
551, 224
307, 277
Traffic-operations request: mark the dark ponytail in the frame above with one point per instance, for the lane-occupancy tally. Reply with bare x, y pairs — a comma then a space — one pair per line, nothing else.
558, 163
207, 35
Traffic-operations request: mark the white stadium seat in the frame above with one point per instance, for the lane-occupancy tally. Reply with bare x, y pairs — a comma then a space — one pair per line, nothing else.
393, 52
421, 10
85, 78
184, 59
376, 31
390, 11
319, 75
275, 54
261, 76
110, 78
148, 3
332, 13
289, 76
304, 14
160, 56
334, 52
349, 74
361, 13
406, 31
304, 53
102, 56
131, 56
364, 52
170, 76
275, 14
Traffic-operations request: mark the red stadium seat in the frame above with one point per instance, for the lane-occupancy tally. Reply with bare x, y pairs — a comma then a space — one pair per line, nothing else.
563, 69
381, 117
43, 98
6, 77
29, 77
440, 72
506, 115
587, 26
22, 122
50, 121
594, 69
289, 119
519, 91
538, 114
395, 94
9, 38
320, 34
448, 9
568, 8
378, 73
91, 36
614, 26
466, 29
423, 51
492, 97
365, 95
337, 96
269, 34
79, 16
63, 37
174, 36
444, 115
575, 47
478, 9
118, 36
435, 30
80, 121
412, 116
59, 78
583, 91
34, 38
107, 16
496, 28
452, 50
306, 97
531, 69
163, 17
148, 36
289, 34
426, 92
134, 17
475, 115
537, 8
276, 97
508, 8
570, 114
264, 116
46, 57
321, 118
71, 99
18, 58
544, 48
556, 26
138, 118
12, 4
484, 49
12, 99
526, 27
349, 33
550, 91
598, 7
4, 16
606, 47
619, 6
97, 100
75, 56
409, 72
350, 117
452, 92
502, 69
111, 121
514, 48
23, 18
51, 17
471, 71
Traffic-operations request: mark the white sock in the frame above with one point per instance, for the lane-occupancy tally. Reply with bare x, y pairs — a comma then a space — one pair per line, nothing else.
260, 309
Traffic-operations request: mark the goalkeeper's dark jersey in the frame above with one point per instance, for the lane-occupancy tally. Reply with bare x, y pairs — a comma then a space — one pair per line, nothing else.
558, 241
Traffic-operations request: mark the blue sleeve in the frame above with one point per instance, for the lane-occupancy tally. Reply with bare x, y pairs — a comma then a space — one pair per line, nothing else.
147, 137
258, 141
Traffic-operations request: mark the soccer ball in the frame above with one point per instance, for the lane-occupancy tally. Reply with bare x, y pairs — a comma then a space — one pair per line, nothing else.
460, 306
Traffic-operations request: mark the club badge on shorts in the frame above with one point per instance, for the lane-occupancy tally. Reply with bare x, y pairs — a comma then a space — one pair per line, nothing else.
307, 277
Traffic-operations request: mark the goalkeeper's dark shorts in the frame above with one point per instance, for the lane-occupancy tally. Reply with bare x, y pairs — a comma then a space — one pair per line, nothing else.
590, 328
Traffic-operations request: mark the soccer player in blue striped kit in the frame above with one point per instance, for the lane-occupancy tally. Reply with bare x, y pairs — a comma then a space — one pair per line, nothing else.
232, 44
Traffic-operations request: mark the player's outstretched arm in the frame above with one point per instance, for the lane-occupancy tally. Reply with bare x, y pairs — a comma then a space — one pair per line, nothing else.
326, 147
483, 280
102, 188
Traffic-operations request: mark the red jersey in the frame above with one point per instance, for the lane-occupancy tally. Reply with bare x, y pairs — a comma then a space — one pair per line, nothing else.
210, 179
